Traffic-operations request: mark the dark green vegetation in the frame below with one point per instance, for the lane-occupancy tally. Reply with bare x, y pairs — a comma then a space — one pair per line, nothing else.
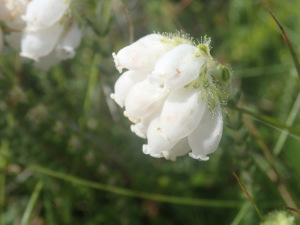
66, 149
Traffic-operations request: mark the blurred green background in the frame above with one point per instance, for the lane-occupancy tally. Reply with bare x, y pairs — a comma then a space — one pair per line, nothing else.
63, 120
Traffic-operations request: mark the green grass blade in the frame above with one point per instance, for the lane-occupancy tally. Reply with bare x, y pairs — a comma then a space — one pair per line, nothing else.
241, 214
268, 121
91, 83
287, 41
31, 203
290, 120
138, 194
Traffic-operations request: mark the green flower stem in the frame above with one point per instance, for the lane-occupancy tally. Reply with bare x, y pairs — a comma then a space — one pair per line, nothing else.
138, 194
31, 203
268, 120
290, 120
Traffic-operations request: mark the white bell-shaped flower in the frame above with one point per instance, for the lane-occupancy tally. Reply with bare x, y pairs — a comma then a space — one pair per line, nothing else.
178, 67
42, 32
142, 100
143, 54
11, 12
41, 42
124, 84
205, 138
179, 149
171, 92
41, 14
65, 48
157, 142
181, 113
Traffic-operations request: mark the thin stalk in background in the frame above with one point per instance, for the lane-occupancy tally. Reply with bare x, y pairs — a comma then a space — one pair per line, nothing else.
268, 121
31, 203
277, 179
249, 196
289, 122
241, 214
287, 41
138, 194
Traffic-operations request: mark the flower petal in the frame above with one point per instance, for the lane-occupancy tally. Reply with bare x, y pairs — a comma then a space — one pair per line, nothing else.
41, 14
40, 43
142, 100
207, 135
182, 112
178, 67
157, 143
66, 45
181, 148
142, 54
124, 84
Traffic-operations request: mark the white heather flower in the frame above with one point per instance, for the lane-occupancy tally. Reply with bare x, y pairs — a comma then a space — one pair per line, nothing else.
39, 43
41, 14
172, 92
64, 49
41, 30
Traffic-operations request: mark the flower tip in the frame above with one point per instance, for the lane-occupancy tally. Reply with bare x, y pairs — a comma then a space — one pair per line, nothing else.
146, 149
117, 62
137, 131
168, 156
199, 157
112, 96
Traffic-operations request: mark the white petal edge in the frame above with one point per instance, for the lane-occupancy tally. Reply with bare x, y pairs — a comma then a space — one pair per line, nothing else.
124, 84
157, 143
181, 148
206, 137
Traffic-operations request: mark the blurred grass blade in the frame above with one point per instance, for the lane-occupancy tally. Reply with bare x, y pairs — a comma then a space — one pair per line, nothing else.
287, 41
249, 196
290, 120
241, 214
138, 194
3, 163
268, 121
91, 83
31, 203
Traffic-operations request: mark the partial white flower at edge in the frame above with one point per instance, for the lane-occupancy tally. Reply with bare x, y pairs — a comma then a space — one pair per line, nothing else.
172, 93
41, 14
41, 30
64, 49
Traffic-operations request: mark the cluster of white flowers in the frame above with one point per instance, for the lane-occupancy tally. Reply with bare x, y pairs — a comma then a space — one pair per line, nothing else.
172, 92
41, 30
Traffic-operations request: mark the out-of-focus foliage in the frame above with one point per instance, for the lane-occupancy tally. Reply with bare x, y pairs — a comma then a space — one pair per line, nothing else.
64, 120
